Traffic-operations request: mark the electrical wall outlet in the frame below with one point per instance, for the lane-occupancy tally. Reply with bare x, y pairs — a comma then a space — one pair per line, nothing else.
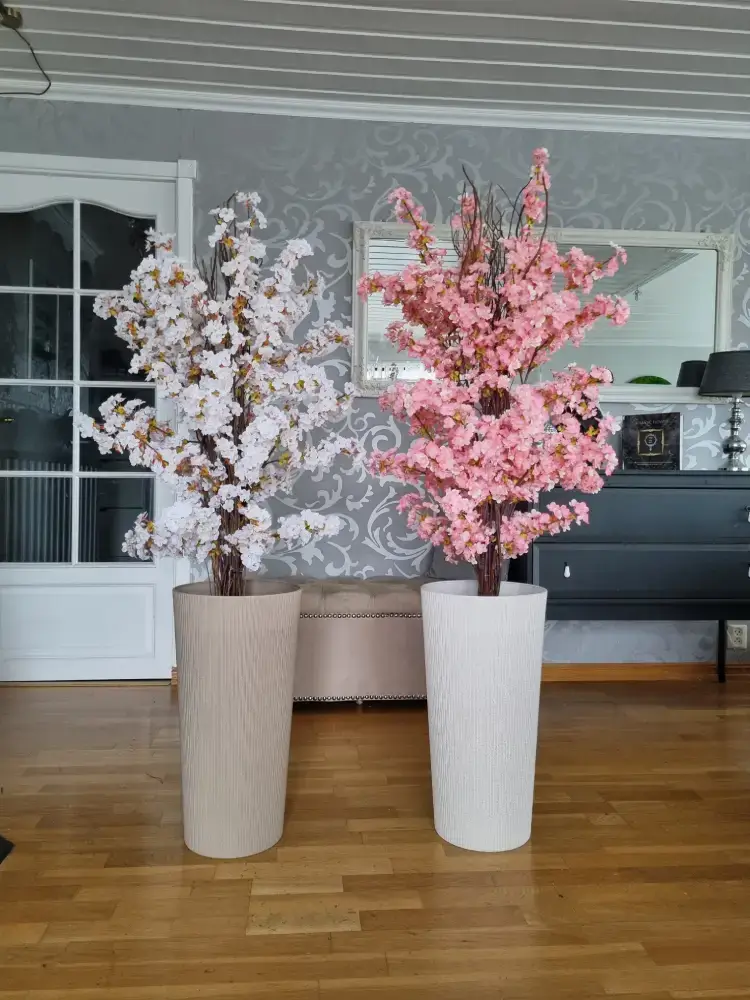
736, 636
10, 17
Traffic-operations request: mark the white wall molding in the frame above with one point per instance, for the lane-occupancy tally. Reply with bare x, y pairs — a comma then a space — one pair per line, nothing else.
392, 111
666, 395
86, 166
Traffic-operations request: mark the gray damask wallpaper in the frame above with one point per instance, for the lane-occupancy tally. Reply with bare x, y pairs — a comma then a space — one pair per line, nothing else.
317, 176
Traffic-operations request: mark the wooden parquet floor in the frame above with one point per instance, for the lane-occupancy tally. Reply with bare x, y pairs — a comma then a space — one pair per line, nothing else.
636, 883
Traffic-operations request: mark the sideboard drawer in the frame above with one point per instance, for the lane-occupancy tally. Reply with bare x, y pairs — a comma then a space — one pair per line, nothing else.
637, 572
659, 515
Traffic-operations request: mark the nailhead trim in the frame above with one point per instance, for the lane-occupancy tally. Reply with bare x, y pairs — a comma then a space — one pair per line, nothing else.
357, 614
364, 697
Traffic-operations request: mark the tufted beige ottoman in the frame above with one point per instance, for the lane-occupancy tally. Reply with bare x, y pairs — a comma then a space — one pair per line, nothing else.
360, 640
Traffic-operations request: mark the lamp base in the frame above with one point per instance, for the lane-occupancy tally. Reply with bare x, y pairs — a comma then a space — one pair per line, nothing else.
734, 446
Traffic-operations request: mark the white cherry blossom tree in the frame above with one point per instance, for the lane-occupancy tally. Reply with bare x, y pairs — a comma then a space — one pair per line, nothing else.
253, 408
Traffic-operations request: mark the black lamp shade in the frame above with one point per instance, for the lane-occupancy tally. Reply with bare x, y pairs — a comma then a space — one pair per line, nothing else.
727, 374
691, 374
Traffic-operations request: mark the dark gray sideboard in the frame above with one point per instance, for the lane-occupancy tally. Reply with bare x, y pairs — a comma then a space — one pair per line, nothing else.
659, 547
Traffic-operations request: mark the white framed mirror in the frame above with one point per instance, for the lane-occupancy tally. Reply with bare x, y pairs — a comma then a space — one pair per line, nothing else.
679, 286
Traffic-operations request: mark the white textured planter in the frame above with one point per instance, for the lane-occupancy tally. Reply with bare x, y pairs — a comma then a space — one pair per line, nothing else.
235, 662
484, 667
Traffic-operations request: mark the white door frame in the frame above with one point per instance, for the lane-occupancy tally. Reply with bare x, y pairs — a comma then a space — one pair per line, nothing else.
36, 660
182, 172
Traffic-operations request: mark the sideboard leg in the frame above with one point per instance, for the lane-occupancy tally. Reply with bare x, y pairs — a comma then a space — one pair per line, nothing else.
721, 657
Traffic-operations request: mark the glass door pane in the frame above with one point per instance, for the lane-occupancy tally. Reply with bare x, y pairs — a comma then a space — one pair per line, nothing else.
104, 356
36, 336
107, 509
35, 519
36, 428
37, 343
36, 247
112, 245
55, 339
91, 459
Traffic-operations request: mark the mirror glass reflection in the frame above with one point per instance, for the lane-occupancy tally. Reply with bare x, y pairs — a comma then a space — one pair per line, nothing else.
672, 293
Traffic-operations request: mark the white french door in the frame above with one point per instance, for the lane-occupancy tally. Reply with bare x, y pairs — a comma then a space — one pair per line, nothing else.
73, 606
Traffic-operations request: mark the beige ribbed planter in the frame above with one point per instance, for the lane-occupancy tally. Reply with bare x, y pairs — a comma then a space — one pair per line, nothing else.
483, 657
235, 664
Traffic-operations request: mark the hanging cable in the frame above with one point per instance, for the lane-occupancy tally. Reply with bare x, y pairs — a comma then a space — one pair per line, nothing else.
12, 20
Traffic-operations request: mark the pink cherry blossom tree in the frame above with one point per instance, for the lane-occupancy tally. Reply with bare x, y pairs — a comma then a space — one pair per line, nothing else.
489, 437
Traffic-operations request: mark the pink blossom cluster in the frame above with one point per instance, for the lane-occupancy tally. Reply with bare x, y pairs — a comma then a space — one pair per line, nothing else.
488, 437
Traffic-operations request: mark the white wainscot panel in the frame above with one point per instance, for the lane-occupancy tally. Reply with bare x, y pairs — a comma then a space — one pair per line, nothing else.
77, 621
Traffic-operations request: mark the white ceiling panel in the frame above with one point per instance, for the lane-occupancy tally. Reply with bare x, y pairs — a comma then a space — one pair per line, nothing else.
677, 66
